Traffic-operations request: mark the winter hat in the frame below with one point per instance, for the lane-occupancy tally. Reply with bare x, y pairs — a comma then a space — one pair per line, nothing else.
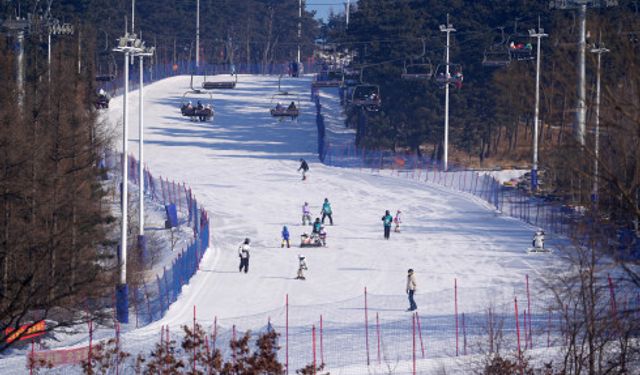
247, 240
410, 270
300, 256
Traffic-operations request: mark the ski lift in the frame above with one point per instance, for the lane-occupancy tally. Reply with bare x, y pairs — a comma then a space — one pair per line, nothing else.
520, 46
220, 85
367, 96
421, 71
107, 69
291, 110
331, 78
455, 76
351, 77
201, 112
417, 72
497, 55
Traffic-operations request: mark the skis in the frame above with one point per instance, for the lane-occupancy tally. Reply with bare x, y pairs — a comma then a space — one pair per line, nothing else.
533, 250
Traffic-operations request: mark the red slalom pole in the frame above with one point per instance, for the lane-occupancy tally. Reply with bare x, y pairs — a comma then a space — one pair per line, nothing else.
313, 337
321, 344
529, 310
194, 336
420, 333
366, 324
414, 345
515, 304
455, 297
286, 316
378, 334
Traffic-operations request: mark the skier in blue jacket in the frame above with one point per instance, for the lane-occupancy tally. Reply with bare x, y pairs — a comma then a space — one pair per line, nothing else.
285, 237
326, 211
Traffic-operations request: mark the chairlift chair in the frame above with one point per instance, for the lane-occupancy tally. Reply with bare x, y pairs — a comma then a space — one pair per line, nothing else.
333, 78
417, 72
350, 77
107, 69
495, 57
284, 111
220, 85
520, 48
195, 114
367, 96
455, 76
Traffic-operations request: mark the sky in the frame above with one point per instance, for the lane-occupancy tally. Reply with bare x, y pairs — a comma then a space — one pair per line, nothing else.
323, 7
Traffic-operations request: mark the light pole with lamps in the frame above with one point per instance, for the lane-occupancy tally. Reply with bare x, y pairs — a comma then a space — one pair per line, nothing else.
539, 34
130, 46
599, 50
448, 28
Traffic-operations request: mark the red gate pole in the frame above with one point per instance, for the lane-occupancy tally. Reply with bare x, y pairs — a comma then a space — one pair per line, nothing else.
524, 325
455, 297
420, 333
194, 336
378, 334
313, 337
515, 304
286, 317
414, 345
366, 324
529, 311
321, 344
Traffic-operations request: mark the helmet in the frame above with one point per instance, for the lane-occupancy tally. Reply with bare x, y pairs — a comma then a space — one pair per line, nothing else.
410, 270
326, 199
247, 240
387, 212
300, 256
305, 203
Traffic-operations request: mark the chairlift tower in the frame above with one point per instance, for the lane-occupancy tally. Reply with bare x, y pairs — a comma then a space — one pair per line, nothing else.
538, 34
55, 28
17, 28
581, 6
448, 28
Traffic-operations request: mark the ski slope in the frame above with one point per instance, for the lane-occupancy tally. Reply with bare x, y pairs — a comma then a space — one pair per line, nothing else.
242, 167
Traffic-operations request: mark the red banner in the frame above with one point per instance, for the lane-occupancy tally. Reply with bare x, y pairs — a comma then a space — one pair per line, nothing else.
59, 357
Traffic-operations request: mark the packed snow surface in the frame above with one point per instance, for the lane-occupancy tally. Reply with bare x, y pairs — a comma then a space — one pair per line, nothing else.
242, 168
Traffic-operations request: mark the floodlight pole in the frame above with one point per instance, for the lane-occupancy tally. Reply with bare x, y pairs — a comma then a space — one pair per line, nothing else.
348, 10
299, 28
581, 111
539, 34
197, 34
141, 151
599, 51
122, 289
446, 29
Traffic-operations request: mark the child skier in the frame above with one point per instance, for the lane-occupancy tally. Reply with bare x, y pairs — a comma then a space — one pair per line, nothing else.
397, 220
538, 241
302, 266
243, 253
306, 214
304, 167
285, 237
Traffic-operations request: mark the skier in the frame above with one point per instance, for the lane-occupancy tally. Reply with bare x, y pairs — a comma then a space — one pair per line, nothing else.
304, 167
285, 237
538, 241
326, 211
302, 266
317, 226
243, 253
397, 220
306, 214
386, 220
411, 289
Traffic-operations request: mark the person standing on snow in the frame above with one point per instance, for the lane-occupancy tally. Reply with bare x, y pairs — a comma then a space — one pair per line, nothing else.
411, 289
397, 220
387, 219
304, 167
302, 266
285, 237
326, 211
306, 214
538, 241
317, 226
243, 253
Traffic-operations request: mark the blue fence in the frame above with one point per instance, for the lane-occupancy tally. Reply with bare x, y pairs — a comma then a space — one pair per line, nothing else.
151, 300
546, 212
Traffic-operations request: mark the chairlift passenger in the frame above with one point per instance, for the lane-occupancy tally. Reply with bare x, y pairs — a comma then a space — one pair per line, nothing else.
292, 107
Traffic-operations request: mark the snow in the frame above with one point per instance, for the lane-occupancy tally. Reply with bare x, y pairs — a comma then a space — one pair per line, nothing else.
242, 167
